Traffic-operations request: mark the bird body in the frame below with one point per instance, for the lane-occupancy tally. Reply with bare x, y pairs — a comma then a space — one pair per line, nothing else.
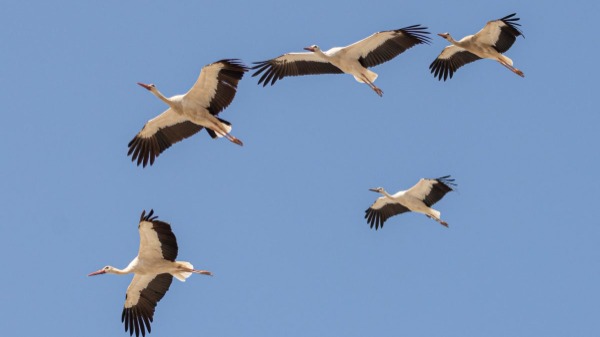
489, 43
354, 59
154, 268
343, 59
189, 113
418, 198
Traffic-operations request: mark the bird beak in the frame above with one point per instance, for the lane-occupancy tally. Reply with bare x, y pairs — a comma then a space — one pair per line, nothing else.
101, 271
442, 35
310, 49
373, 190
146, 86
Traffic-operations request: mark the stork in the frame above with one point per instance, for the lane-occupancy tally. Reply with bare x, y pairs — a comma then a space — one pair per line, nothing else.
353, 59
418, 198
154, 268
489, 43
189, 113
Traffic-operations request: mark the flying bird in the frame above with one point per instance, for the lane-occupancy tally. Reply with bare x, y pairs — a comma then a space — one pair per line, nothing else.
189, 113
353, 59
418, 198
489, 43
154, 268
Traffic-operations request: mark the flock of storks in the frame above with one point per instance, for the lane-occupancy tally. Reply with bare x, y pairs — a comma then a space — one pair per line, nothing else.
155, 265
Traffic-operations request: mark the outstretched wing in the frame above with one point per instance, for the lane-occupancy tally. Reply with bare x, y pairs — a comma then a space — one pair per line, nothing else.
451, 58
384, 46
501, 33
217, 85
143, 293
381, 210
432, 190
292, 64
157, 241
158, 134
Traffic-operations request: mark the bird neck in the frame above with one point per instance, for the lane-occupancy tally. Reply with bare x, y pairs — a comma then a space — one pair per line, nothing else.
321, 54
161, 96
385, 193
453, 41
118, 271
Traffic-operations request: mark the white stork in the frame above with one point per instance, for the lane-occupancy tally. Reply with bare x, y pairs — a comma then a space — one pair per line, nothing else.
418, 198
489, 43
154, 268
353, 59
189, 113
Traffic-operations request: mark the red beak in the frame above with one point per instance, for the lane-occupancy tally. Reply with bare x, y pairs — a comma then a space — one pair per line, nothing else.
101, 271
310, 49
147, 86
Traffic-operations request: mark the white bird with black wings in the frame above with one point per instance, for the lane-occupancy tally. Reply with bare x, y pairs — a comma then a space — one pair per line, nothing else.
353, 59
418, 198
154, 268
189, 113
489, 43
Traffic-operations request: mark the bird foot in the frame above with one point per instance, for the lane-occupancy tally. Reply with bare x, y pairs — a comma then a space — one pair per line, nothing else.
518, 72
237, 141
203, 272
378, 91
443, 223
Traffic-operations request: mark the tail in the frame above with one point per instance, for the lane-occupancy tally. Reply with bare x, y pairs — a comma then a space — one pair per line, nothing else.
182, 275
505, 59
436, 215
226, 125
371, 76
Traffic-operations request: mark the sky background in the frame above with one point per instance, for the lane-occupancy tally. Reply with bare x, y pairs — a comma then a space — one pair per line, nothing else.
280, 220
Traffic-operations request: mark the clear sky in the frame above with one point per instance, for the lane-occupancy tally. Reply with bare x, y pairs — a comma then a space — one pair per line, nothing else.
280, 220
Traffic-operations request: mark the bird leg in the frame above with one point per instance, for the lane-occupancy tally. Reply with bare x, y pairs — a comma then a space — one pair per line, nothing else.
234, 140
370, 84
203, 272
443, 223
513, 69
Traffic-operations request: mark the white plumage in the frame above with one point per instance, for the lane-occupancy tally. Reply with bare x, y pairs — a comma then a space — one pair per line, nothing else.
189, 113
418, 198
490, 42
154, 268
353, 59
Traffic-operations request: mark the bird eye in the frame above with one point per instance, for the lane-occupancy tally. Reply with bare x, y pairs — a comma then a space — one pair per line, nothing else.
106, 268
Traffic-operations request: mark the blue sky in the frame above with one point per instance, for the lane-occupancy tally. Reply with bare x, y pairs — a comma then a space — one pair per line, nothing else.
280, 220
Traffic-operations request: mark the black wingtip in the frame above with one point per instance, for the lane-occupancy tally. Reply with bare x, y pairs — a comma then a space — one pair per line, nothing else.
447, 180
236, 63
149, 216
417, 32
512, 23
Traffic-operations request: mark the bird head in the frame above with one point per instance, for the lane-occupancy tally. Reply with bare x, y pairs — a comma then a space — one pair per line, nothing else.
104, 270
147, 86
376, 189
446, 36
313, 48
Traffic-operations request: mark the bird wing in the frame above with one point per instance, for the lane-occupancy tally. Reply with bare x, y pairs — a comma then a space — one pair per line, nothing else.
432, 190
143, 293
449, 60
384, 46
157, 241
158, 134
217, 85
501, 33
382, 209
292, 64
